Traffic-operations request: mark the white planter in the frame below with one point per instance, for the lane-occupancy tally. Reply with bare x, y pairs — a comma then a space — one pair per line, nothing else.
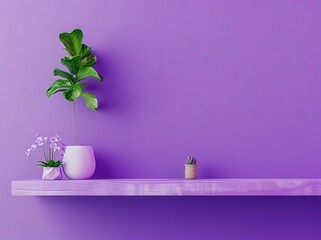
79, 162
190, 171
51, 173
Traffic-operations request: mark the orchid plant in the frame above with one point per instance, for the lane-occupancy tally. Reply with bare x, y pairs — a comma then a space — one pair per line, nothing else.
53, 149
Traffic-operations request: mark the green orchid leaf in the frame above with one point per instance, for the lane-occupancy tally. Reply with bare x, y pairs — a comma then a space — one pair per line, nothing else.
42, 163
72, 63
58, 86
61, 73
56, 164
73, 92
51, 163
87, 72
72, 41
91, 101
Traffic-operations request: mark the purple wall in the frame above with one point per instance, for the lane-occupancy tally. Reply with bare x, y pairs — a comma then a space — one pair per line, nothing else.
236, 83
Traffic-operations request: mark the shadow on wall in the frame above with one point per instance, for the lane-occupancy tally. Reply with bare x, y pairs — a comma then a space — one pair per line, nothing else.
173, 217
111, 93
114, 103
208, 171
103, 167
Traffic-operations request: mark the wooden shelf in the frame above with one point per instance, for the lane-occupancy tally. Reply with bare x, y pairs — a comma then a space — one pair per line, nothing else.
169, 187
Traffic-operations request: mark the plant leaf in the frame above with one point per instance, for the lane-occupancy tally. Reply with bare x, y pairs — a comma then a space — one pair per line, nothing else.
72, 41
88, 61
42, 163
73, 92
57, 86
87, 72
61, 73
84, 49
57, 164
72, 63
91, 101
51, 163
87, 57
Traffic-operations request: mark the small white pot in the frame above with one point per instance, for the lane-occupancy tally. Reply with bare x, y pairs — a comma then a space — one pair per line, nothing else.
51, 173
190, 171
79, 162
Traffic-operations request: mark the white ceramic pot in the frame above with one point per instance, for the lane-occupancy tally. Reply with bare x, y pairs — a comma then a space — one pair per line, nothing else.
51, 173
79, 162
190, 171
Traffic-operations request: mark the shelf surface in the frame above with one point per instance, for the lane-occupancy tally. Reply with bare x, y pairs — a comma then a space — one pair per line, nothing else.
170, 187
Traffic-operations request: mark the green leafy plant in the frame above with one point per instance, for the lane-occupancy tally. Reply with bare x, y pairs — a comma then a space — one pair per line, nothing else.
79, 63
191, 160
50, 163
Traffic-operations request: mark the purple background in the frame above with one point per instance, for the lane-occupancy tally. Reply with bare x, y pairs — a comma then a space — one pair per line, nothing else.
236, 83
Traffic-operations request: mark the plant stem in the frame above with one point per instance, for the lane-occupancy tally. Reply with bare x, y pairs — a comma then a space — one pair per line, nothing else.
75, 124
44, 152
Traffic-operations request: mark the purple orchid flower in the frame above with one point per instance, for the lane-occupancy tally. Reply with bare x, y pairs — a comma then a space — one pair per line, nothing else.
54, 150
53, 139
28, 152
40, 141
33, 147
53, 145
58, 138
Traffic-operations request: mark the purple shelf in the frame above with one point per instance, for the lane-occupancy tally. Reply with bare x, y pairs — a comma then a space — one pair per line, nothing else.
169, 187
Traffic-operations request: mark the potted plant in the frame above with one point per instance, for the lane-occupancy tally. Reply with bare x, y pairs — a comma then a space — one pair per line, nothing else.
79, 161
191, 168
53, 149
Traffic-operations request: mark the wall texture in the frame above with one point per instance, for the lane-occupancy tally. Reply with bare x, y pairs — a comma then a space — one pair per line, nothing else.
235, 83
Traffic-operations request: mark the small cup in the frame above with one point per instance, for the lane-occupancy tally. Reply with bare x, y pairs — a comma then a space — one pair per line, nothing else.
190, 171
